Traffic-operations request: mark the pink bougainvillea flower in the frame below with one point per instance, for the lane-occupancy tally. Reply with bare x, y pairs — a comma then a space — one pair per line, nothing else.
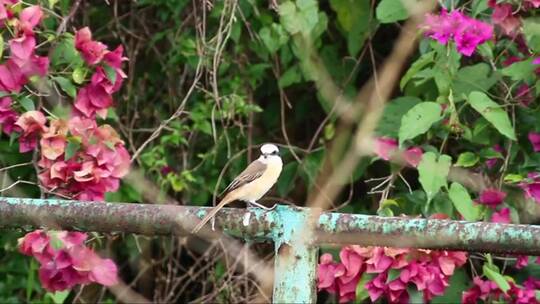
91, 51
502, 216
66, 261
11, 77
32, 124
480, 291
428, 270
536, 60
36, 244
521, 261
22, 49
8, 117
490, 163
467, 32
534, 138
503, 17
533, 3
37, 65
532, 186
92, 100
385, 147
524, 95
413, 156
491, 197
29, 18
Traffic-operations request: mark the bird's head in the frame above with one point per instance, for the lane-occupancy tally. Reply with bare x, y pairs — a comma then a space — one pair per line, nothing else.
269, 151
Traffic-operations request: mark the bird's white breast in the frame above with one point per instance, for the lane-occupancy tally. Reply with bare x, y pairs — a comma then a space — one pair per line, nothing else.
254, 190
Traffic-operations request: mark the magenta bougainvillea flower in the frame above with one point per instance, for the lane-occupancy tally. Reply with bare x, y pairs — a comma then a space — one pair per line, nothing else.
386, 148
531, 186
524, 95
427, 270
491, 162
502, 216
32, 124
534, 138
486, 289
455, 26
503, 16
95, 97
91, 51
65, 261
8, 117
491, 197
95, 168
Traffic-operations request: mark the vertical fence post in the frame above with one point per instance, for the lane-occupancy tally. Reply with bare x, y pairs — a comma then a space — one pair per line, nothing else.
296, 257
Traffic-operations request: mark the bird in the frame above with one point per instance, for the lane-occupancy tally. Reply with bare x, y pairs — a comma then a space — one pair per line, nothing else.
252, 183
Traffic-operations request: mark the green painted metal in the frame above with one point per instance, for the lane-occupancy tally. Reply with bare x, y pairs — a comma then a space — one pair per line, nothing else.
296, 245
296, 257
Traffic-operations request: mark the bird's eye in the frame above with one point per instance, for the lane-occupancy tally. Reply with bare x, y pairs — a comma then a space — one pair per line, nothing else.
275, 153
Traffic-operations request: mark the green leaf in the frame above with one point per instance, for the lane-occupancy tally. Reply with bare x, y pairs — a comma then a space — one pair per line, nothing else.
290, 77
65, 52
493, 113
79, 74
467, 159
273, 37
513, 178
473, 78
392, 275
389, 11
66, 85
418, 65
433, 173
30, 282
415, 296
361, 290
463, 203
531, 29
300, 18
494, 275
520, 71
74, 144
394, 111
354, 17
418, 120
27, 104
110, 72
58, 297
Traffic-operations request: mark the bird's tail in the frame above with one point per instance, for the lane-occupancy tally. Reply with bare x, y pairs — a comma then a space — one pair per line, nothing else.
227, 199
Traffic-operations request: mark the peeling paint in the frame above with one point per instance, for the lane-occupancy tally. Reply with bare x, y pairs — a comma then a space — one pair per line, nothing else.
295, 245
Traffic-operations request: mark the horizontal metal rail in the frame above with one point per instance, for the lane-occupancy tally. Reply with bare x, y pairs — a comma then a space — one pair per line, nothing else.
332, 228
286, 226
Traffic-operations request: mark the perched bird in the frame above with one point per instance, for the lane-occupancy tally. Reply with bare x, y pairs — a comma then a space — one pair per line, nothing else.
252, 183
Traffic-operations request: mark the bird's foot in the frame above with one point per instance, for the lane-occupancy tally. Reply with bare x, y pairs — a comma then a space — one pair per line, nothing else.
255, 204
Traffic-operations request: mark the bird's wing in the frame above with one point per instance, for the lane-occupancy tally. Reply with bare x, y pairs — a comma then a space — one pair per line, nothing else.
251, 173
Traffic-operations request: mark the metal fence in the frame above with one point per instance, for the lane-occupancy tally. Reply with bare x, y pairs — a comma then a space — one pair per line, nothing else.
296, 243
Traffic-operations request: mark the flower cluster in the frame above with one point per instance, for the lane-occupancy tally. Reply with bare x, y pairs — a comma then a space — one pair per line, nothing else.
23, 62
95, 97
65, 261
466, 32
79, 158
392, 270
531, 186
94, 168
486, 290
387, 148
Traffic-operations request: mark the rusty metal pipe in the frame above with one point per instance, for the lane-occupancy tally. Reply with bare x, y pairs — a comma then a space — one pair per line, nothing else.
332, 228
